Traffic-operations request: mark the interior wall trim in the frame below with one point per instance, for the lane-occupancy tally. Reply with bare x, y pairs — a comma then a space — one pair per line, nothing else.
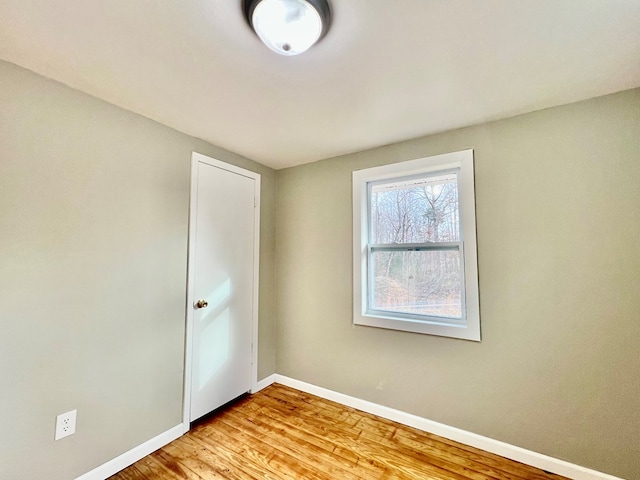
132, 456
264, 383
529, 457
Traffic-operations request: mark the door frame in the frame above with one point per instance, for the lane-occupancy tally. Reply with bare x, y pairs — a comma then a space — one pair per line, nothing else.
197, 158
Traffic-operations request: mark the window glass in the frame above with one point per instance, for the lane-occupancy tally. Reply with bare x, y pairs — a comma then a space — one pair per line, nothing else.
417, 282
416, 210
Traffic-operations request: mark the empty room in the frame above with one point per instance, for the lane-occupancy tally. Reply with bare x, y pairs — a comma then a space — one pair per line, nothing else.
320, 239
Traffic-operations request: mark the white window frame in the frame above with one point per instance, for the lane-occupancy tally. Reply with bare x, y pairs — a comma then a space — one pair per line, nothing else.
469, 327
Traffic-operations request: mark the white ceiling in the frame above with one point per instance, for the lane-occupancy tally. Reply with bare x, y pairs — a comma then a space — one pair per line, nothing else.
388, 70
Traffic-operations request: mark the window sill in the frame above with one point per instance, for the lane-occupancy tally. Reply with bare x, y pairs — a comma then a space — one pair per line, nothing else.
427, 327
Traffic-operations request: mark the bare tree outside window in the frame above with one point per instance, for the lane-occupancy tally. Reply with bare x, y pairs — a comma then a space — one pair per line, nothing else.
415, 259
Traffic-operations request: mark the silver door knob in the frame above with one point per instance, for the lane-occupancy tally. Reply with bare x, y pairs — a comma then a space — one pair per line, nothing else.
202, 304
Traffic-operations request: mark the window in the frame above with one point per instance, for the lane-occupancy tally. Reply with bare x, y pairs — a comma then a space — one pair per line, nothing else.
415, 262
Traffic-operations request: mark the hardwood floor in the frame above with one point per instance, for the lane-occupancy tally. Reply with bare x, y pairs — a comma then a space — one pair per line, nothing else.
282, 433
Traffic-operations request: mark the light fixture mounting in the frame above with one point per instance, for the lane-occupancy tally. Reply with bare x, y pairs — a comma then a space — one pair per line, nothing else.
288, 27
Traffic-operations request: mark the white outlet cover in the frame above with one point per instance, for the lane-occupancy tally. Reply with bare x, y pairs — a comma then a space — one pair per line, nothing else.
66, 424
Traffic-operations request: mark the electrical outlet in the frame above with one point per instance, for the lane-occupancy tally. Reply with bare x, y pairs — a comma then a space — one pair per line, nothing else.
66, 424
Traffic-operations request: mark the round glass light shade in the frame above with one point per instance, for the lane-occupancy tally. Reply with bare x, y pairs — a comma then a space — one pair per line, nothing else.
287, 27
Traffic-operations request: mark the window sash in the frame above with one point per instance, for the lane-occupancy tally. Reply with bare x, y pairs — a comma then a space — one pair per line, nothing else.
415, 247
411, 247
403, 178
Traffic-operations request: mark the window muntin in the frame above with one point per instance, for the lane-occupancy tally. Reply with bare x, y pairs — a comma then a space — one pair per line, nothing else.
415, 266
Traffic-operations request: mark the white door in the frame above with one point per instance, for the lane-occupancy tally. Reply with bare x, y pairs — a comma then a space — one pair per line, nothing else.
224, 229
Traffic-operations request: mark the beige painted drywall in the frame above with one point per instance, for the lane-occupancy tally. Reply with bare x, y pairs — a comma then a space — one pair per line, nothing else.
558, 225
94, 205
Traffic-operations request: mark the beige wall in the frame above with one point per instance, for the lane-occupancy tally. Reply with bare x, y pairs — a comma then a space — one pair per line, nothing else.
558, 224
94, 204
93, 236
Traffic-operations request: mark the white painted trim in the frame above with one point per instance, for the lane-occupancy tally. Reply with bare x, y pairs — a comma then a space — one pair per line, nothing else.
188, 338
264, 383
128, 458
197, 158
497, 447
462, 162
256, 282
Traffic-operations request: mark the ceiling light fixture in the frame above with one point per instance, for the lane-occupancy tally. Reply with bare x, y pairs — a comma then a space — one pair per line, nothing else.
288, 27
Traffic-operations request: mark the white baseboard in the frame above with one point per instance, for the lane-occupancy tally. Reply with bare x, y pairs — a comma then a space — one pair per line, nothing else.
123, 461
264, 383
503, 449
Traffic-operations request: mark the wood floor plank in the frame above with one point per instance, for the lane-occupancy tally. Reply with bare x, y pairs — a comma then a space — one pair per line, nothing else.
517, 469
279, 423
151, 469
321, 421
388, 429
283, 434
350, 438
265, 456
209, 462
454, 469
348, 415
176, 465
342, 437
341, 443
295, 446
502, 469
